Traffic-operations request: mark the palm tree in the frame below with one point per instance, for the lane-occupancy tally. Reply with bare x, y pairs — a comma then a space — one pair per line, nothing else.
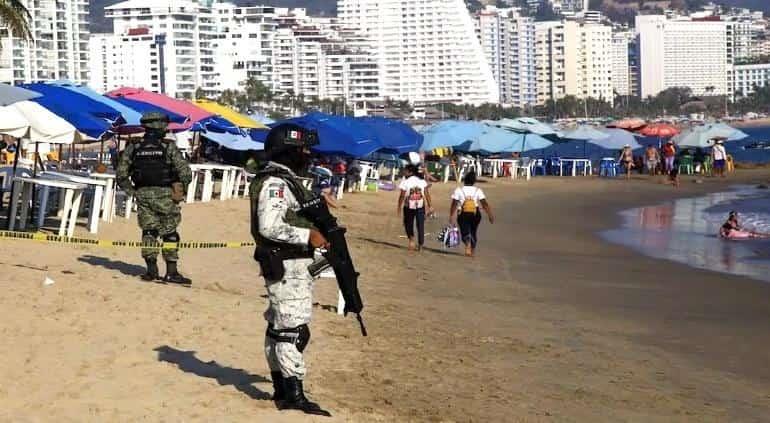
15, 16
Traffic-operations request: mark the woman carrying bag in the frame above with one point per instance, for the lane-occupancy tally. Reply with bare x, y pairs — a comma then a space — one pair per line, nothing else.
465, 211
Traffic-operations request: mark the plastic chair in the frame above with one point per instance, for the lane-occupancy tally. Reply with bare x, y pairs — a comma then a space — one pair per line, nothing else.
538, 165
555, 166
608, 167
686, 165
708, 165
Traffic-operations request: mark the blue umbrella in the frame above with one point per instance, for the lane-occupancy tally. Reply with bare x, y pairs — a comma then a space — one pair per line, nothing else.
490, 141
395, 136
526, 125
130, 116
618, 138
217, 124
259, 134
337, 135
528, 142
704, 136
450, 133
143, 108
234, 142
585, 133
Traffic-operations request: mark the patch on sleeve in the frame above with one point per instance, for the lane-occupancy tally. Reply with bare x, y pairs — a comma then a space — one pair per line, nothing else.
275, 192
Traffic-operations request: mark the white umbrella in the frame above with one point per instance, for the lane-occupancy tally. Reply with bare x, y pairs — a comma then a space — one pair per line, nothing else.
704, 136
13, 123
46, 127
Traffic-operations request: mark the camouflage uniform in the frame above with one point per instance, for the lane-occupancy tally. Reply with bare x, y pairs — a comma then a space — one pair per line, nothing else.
274, 219
157, 213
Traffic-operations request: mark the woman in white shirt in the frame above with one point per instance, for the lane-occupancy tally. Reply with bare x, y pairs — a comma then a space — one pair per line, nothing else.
464, 211
412, 202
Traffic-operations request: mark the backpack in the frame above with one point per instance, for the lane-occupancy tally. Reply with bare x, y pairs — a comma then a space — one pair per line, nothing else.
469, 205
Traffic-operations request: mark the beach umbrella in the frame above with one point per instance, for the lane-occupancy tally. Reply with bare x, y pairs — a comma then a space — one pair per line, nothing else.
491, 140
628, 124
704, 136
660, 130
450, 133
261, 118
142, 108
131, 117
193, 113
259, 135
526, 125
336, 134
618, 138
234, 142
585, 133
13, 123
10, 94
396, 137
528, 142
238, 119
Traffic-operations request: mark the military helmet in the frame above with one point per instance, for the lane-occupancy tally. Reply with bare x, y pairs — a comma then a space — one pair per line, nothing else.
155, 120
288, 136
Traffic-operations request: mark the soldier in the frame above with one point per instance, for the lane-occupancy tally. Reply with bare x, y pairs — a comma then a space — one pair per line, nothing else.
286, 243
154, 171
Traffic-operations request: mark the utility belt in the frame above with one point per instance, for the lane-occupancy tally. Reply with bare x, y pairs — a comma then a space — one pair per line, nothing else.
270, 257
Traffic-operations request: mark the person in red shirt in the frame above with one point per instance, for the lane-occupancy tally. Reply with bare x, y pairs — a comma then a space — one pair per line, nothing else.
669, 154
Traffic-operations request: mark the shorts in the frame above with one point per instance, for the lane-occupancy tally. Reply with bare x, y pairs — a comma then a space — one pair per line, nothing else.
719, 164
652, 164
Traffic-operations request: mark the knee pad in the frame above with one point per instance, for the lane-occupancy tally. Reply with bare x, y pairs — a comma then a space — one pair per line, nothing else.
299, 336
150, 232
172, 237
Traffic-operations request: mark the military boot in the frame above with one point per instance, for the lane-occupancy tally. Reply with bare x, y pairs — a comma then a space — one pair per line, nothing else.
173, 275
279, 393
296, 400
152, 271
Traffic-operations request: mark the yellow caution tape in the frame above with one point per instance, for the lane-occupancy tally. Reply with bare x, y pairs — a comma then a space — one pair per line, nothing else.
103, 243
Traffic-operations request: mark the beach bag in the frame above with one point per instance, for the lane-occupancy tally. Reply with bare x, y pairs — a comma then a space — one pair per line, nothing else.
449, 236
469, 205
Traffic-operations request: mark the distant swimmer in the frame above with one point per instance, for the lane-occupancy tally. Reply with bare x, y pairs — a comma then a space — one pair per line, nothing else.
731, 229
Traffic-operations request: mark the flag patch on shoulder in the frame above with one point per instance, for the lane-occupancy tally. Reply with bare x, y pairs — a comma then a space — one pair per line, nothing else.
275, 192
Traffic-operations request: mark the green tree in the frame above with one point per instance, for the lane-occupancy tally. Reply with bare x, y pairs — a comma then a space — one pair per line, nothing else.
15, 17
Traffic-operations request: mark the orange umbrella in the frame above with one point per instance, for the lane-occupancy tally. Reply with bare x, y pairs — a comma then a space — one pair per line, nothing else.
660, 130
630, 124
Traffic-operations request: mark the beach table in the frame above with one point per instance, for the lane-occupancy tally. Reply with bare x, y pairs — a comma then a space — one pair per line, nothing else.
208, 181
110, 190
69, 206
498, 164
586, 168
99, 186
366, 169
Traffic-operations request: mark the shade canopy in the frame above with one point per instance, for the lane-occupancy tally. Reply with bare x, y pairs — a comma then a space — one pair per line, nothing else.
526, 125
142, 108
395, 136
130, 116
528, 142
585, 133
259, 135
45, 126
10, 94
13, 123
660, 130
617, 139
234, 142
450, 133
336, 135
192, 112
240, 120
628, 124
704, 136
92, 118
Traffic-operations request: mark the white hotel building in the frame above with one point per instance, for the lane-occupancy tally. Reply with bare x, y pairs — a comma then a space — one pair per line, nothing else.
683, 53
508, 42
59, 49
427, 51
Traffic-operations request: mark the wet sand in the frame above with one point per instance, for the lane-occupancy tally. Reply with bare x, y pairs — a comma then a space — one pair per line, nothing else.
548, 323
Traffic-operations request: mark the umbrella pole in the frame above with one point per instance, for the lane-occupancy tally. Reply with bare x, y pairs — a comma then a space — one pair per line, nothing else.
101, 152
61, 155
34, 175
13, 181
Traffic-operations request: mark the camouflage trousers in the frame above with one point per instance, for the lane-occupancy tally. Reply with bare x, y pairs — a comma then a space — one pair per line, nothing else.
159, 218
291, 304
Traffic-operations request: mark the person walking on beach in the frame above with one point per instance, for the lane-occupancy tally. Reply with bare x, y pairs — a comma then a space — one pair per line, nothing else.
652, 159
720, 158
627, 159
669, 155
413, 201
154, 171
464, 211
285, 247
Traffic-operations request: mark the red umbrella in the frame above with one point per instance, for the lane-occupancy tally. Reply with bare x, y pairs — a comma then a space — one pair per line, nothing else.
630, 124
660, 130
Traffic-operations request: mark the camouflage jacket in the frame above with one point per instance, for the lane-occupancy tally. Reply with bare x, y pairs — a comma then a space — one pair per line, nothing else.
173, 156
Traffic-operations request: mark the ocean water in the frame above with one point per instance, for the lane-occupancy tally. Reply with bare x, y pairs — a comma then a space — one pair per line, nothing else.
581, 149
685, 231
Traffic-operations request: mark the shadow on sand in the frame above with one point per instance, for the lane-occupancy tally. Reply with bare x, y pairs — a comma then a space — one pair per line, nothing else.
127, 269
187, 362
403, 247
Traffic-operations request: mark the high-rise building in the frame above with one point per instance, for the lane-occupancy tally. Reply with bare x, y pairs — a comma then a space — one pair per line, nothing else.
426, 50
59, 49
682, 52
574, 58
508, 42
621, 69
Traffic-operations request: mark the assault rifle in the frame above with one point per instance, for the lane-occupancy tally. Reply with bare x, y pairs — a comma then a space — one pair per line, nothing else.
337, 256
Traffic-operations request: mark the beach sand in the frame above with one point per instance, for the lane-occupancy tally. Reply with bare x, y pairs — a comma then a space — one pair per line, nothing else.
548, 323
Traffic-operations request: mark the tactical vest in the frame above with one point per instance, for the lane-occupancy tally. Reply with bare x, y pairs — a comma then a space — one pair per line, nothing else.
150, 166
292, 218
